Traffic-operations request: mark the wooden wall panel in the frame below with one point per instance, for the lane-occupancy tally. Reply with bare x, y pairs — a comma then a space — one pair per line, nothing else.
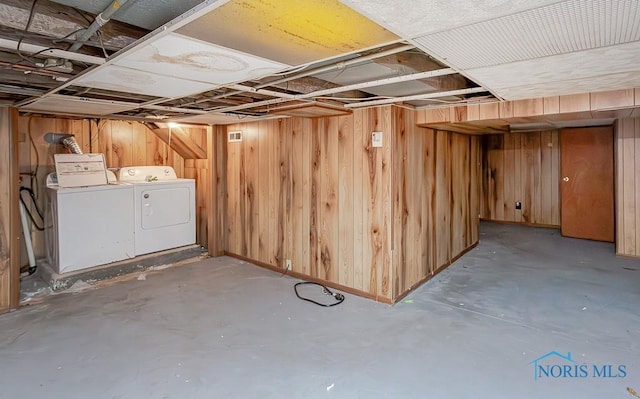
232, 221
509, 180
276, 227
475, 189
217, 211
250, 214
436, 199
320, 198
9, 215
521, 167
346, 205
359, 209
460, 193
375, 220
493, 178
530, 177
627, 148
442, 214
374, 173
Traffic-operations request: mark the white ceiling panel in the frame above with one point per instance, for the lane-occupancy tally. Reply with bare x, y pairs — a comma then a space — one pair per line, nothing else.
59, 104
559, 28
617, 81
413, 18
606, 68
112, 77
179, 56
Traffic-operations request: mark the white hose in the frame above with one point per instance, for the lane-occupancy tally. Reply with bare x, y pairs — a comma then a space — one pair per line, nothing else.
27, 236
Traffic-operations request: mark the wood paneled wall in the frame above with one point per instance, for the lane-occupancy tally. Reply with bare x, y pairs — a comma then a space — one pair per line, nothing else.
314, 191
9, 216
217, 212
122, 143
436, 193
627, 157
521, 167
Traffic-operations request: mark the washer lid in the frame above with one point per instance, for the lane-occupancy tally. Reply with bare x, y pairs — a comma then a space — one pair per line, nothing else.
79, 170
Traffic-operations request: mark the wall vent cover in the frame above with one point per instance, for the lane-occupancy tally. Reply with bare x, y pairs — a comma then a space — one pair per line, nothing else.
235, 136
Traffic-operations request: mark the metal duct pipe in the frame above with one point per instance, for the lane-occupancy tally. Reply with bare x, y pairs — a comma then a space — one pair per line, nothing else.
98, 23
72, 144
46, 51
67, 140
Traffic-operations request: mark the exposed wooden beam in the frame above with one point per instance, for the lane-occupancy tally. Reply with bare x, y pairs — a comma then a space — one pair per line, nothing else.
180, 142
417, 62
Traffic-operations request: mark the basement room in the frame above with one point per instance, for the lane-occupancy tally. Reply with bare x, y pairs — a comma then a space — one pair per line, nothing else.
320, 198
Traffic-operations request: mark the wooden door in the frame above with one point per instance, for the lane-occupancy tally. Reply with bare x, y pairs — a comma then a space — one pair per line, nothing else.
586, 183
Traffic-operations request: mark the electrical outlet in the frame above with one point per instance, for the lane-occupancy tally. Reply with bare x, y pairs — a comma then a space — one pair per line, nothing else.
287, 264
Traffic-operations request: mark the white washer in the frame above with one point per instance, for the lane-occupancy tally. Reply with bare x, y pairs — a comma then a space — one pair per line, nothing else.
164, 208
89, 226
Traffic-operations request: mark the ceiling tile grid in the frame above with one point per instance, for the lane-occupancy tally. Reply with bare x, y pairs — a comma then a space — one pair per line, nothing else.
559, 28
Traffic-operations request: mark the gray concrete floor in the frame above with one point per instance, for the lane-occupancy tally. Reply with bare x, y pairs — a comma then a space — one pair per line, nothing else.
224, 328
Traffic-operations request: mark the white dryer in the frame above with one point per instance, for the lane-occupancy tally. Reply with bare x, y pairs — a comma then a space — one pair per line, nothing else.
164, 208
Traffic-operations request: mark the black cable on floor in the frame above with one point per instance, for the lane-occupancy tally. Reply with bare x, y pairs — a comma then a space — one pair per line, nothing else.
326, 291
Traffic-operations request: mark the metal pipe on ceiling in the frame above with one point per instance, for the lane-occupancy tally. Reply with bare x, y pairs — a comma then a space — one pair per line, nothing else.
98, 22
46, 51
24, 91
272, 93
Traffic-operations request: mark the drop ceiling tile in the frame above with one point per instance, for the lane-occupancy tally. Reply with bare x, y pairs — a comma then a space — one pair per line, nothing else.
60, 104
112, 77
413, 18
578, 72
617, 81
179, 56
291, 32
565, 27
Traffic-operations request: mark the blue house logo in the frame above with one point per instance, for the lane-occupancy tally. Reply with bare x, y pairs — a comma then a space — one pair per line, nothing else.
544, 368
555, 365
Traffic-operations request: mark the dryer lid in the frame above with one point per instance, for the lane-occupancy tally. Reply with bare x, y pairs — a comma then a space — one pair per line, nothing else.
137, 174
